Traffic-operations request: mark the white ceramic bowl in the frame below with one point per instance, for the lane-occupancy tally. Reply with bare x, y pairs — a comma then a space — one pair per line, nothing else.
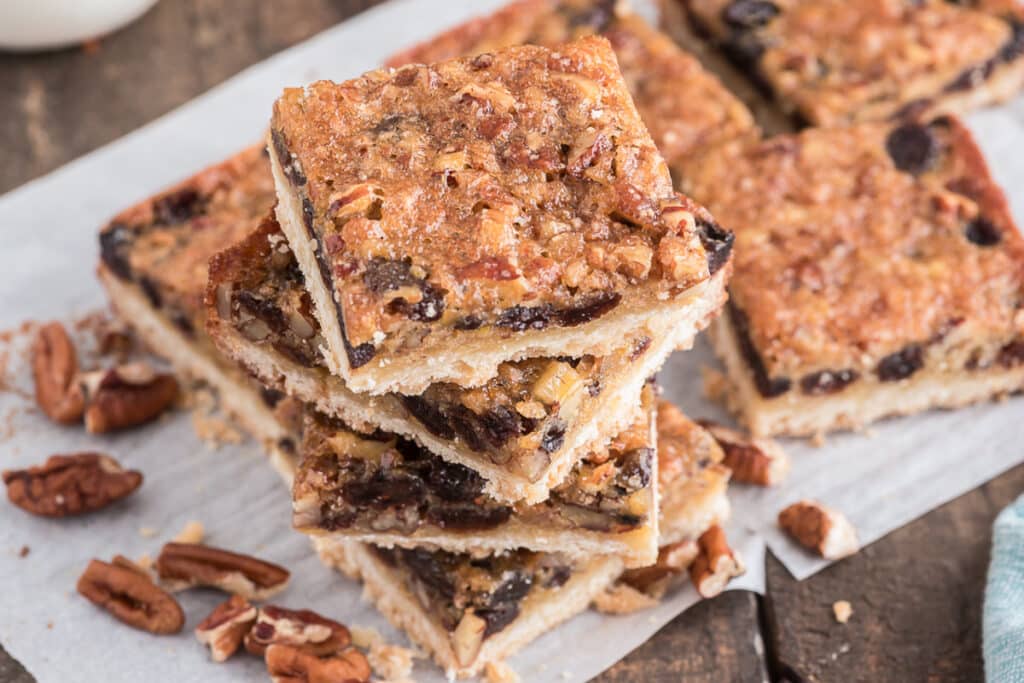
47, 24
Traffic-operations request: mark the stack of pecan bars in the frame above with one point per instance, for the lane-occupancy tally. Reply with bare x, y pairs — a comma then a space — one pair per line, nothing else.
438, 296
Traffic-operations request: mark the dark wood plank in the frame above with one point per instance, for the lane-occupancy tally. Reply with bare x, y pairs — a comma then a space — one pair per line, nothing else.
715, 640
916, 597
60, 105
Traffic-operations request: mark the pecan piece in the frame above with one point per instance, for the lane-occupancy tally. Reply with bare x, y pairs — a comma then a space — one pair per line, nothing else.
126, 396
820, 529
70, 484
55, 370
716, 563
673, 559
303, 629
288, 664
132, 597
226, 626
184, 565
752, 461
468, 638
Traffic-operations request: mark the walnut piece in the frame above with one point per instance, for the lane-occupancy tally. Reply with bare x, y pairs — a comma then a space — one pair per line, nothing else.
55, 370
70, 484
131, 596
184, 565
303, 629
752, 461
126, 396
820, 529
716, 563
288, 664
225, 627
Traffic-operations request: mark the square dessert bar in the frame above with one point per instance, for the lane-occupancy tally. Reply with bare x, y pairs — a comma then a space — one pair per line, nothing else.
523, 430
683, 106
153, 264
448, 218
389, 491
831, 62
879, 272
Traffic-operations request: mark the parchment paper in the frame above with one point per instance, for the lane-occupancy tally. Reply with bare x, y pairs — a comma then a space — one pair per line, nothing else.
904, 469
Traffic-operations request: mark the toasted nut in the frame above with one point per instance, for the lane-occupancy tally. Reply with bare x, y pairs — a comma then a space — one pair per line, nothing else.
55, 370
126, 396
131, 597
125, 563
468, 638
752, 461
843, 611
673, 559
70, 484
184, 565
557, 384
820, 529
360, 199
298, 628
226, 626
586, 150
288, 664
716, 563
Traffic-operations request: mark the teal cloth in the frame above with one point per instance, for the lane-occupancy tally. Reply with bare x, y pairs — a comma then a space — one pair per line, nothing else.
1004, 599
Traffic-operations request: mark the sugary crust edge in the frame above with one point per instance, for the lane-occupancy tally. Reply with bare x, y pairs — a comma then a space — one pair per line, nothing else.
391, 597
331, 396
472, 364
791, 415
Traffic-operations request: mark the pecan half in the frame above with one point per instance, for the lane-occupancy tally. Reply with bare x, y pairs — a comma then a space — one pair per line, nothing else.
126, 396
288, 664
55, 370
752, 461
715, 565
70, 484
130, 596
226, 626
298, 628
184, 565
820, 529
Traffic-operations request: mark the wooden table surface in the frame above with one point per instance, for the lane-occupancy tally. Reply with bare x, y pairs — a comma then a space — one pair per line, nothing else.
916, 594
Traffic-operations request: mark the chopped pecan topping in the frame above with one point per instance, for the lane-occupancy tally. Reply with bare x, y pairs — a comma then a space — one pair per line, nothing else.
302, 629
55, 370
820, 529
130, 596
184, 565
752, 461
126, 396
226, 626
288, 664
70, 484
716, 563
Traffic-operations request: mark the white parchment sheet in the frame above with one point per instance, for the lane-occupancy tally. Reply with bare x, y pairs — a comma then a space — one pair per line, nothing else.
48, 228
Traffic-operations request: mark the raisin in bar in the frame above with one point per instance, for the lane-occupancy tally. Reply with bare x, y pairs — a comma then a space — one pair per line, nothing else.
683, 106
153, 264
389, 491
467, 612
879, 272
448, 218
522, 431
833, 62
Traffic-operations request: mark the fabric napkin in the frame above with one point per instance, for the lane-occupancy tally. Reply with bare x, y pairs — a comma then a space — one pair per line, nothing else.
1003, 621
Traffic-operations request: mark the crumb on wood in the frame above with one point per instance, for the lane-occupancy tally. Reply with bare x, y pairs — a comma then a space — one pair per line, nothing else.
842, 610
193, 532
622, 598
500, 672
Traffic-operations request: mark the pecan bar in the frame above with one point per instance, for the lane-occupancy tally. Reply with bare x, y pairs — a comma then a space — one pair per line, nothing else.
448, 218
389, 491
879, 273
153, 264
522, 431
683, 106
834, 62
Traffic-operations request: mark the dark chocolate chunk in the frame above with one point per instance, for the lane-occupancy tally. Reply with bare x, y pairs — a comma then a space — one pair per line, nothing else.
115, 242
501, 423
291, 168
384, 490
1012, 354
429, 415
307, 214
469, 322
982, 232
745, 49
554, 437
428, 309
717, 243
553, 576
635, 468
912, 147
769, 387
182, 322
748, 14
1014, 47
427, 568
270, 397
593, 307
468, 516
263, 309
902, 364
827, 381
593, 16
452, 482
178, 207
385, 275
503, 606
520, 318
151, 291
358, 356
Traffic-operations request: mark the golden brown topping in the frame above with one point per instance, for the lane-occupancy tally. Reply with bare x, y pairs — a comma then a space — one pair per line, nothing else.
131, 597
225, 627
715, 565
184, 565
821, 529
70, 484
55, 370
